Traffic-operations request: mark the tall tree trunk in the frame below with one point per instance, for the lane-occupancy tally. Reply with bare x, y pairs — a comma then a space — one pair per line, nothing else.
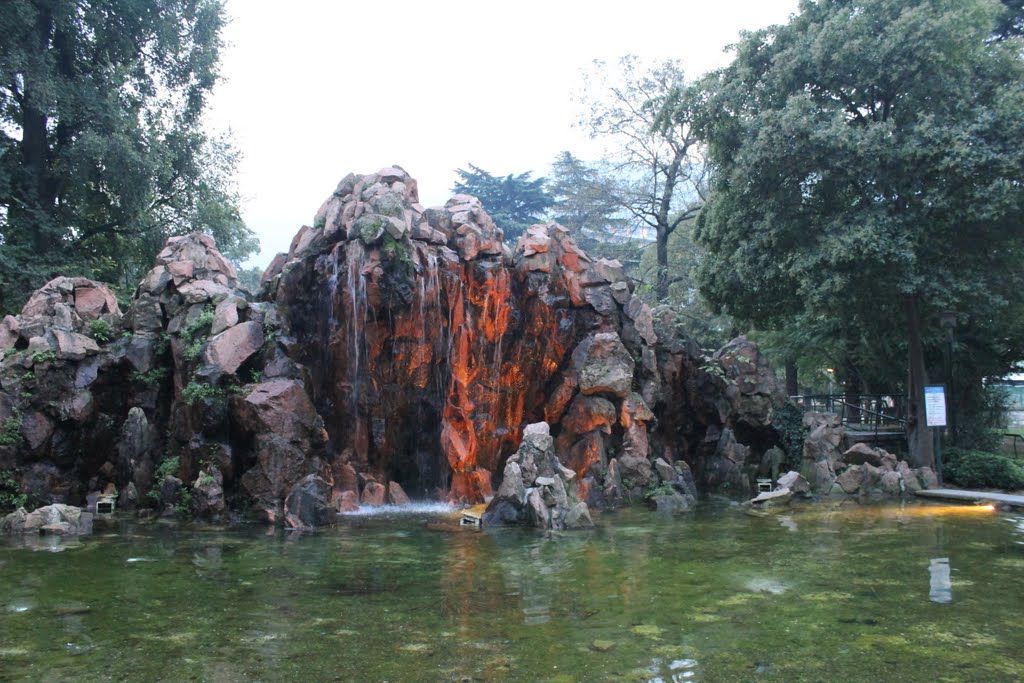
792, 383
31, 213
661, 284
851, 388
919, 436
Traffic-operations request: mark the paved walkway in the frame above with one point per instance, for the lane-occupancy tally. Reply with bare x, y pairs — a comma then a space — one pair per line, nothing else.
973, 496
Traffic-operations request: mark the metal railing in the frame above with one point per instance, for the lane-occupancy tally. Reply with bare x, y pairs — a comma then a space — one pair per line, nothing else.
1016, 438
861, 412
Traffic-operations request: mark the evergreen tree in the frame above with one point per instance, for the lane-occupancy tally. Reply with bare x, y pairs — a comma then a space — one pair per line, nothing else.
586, 201
514, 201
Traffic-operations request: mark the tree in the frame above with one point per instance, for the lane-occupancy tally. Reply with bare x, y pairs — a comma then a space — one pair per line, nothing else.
644, 114
868, 164
102, 153
585, 201
1011, 22
515, 202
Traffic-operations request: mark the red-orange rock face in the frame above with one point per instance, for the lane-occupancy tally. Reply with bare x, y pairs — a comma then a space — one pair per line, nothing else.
430, 345
393, 348
430, 349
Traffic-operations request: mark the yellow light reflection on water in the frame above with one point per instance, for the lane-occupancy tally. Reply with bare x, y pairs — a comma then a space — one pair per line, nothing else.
896, 512
926, 510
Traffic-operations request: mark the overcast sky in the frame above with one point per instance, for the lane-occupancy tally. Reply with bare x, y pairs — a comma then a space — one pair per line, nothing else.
314, 89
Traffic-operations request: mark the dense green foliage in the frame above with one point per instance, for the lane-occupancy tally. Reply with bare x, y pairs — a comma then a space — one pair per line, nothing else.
11, 496
514, 201
168, 468
868, 173
10, 430
197, 390
100, 330
788, 420
102, 152
974, 469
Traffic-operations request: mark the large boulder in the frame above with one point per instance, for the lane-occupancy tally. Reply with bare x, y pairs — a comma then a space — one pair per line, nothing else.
308, 504
208, 495
56, 519
537, 490
604, 365
232, 347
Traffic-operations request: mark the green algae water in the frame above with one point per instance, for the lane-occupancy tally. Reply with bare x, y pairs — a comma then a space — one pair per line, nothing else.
822, 593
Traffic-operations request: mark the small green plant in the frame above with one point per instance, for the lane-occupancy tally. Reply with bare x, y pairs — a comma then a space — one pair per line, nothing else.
397, 252
10, 432
193, 350
11, 496
184, 507
205, 479
150, 378
662, 489
981, 469
196, 391
44, 357
196, 333
711, 365
100, 330
168, 468
28, 376
163, 344
201, 323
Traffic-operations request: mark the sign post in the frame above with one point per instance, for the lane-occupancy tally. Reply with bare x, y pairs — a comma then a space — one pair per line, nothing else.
935, 416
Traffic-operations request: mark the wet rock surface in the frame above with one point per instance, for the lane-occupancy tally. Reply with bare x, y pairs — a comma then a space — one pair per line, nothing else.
394, 352
537, 489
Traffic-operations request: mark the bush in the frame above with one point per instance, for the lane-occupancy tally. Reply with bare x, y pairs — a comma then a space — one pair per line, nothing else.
150, 378
196, 391
984, 418
10, 431
982, 469
44, 357
11, 496
200, 324
100, 330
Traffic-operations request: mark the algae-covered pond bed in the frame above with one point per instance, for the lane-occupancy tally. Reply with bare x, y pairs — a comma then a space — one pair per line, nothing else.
919, 593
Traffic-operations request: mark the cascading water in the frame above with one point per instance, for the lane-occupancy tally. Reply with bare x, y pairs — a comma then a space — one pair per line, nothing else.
446, 343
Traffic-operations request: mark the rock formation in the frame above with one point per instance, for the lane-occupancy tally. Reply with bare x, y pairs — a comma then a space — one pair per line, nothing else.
394, 346
537, 489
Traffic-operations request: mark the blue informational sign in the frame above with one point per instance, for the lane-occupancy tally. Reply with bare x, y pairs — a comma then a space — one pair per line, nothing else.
935, 406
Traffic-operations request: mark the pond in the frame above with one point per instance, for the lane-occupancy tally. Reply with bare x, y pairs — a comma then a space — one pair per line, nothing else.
820, 593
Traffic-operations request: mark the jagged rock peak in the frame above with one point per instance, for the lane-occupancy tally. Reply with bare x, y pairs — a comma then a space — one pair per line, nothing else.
58, 315
385, 206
